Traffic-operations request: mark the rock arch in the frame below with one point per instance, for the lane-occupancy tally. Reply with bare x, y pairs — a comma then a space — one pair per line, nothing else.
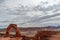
18, 34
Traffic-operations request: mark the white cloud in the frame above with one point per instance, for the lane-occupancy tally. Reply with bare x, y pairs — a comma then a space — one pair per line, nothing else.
29, 12
35, 13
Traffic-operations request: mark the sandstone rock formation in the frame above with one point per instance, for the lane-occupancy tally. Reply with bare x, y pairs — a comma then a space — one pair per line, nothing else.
44, 35
18, 34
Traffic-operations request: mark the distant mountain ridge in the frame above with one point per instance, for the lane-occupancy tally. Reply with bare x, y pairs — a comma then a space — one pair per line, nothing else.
34, 28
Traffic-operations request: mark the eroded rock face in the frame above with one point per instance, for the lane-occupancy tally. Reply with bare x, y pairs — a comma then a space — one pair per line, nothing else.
44, 35
18, 34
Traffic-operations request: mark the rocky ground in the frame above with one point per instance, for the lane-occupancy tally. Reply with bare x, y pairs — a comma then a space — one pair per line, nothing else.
29, 34
55, 37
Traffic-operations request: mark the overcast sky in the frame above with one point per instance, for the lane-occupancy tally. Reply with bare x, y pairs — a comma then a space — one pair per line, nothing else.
29, 13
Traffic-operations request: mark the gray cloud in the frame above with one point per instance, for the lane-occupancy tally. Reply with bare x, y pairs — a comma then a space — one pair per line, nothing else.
43, 18
1, 1
25, 15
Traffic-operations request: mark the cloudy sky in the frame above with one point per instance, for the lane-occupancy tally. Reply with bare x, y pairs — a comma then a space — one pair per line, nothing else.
29, 13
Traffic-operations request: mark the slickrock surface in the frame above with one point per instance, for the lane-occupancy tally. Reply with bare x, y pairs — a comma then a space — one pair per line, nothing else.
55, 37
7, 38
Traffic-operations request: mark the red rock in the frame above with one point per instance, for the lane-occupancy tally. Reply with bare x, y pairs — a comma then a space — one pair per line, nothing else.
18, 34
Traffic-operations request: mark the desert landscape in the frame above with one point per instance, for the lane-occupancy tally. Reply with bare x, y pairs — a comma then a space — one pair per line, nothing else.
29, 19
29, 33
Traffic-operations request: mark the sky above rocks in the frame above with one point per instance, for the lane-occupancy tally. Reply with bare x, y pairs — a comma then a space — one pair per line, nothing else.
30, 13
